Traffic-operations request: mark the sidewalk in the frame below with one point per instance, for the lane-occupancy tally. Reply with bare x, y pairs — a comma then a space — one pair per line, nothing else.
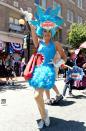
21, 79
17, 79
20, 112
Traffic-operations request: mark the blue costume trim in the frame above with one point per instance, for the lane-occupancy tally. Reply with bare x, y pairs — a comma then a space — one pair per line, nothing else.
48, 15
44, 74
75, 74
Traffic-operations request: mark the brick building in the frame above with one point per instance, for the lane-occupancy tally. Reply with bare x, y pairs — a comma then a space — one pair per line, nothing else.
10, 31
72, 11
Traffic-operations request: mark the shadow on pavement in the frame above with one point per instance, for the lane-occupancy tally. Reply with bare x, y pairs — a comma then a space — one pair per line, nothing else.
10, 87
84, 92
63, 103
2, 83
79, 88
63, 125
78, 97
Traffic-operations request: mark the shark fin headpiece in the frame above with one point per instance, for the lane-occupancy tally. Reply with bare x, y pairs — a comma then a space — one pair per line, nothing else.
47, 20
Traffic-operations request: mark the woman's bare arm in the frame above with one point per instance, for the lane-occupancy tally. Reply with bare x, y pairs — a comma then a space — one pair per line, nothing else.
59, 48
34, 36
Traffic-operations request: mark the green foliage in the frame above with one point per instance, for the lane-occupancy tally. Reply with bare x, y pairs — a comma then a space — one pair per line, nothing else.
76, 35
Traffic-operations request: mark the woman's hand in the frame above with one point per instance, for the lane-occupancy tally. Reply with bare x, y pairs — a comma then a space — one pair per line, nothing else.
27, 14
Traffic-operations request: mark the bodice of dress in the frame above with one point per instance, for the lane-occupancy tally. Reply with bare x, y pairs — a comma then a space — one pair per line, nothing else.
44, 72
46, 53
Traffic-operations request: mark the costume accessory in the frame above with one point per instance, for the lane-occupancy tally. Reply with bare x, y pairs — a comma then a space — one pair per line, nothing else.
75, 74
46, 20
28, 72
58, 64
27, 14
30, 67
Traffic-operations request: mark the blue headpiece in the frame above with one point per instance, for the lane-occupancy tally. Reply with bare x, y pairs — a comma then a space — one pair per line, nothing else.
47, 20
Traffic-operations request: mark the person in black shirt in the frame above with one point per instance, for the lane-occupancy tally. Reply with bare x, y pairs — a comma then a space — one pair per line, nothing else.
2, 68
8, 70
69, 83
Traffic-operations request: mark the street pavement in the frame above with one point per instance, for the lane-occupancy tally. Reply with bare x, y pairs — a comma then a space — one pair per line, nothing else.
19, 112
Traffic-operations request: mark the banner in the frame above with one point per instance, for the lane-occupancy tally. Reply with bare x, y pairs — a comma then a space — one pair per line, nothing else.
16, 47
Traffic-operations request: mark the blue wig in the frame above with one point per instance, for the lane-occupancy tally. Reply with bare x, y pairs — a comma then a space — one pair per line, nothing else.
49, 15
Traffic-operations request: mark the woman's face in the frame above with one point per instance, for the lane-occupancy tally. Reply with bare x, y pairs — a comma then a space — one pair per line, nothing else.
47, 35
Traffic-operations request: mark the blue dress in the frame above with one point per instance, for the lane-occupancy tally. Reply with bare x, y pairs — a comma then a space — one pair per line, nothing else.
44, 73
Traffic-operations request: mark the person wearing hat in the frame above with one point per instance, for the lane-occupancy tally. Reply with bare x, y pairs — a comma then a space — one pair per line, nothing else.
43, 77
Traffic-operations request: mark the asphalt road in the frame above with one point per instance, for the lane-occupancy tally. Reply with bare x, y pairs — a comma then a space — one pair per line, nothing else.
19, 112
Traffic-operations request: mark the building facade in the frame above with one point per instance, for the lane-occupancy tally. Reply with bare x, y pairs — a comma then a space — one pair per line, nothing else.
10, 30
72, 11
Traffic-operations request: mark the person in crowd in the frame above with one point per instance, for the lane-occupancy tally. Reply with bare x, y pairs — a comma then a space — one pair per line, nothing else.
80, 60
69, 83
81, 84
9, 70
23, 65
20, 62
43, 77
58, 96
16, 68
2, 68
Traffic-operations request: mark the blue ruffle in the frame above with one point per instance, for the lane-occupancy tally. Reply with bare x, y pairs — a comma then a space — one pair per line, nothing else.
46, 79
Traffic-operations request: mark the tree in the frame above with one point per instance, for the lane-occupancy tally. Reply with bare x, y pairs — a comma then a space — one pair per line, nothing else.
76, 35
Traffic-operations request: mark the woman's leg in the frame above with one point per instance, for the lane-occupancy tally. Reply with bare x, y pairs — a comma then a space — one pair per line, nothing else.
47, 94
58, 95
55, 89
40, 102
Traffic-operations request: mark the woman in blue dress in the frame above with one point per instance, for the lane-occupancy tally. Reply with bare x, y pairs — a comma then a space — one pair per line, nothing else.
43, 77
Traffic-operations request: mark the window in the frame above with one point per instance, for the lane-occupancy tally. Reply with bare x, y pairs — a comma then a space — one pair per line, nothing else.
43, 3
54, 4
80, 3
1, 0
59, 13
72, 1
80, 20
10, 19
70, 16
16, 21
13, 20
37, 2
58, 35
